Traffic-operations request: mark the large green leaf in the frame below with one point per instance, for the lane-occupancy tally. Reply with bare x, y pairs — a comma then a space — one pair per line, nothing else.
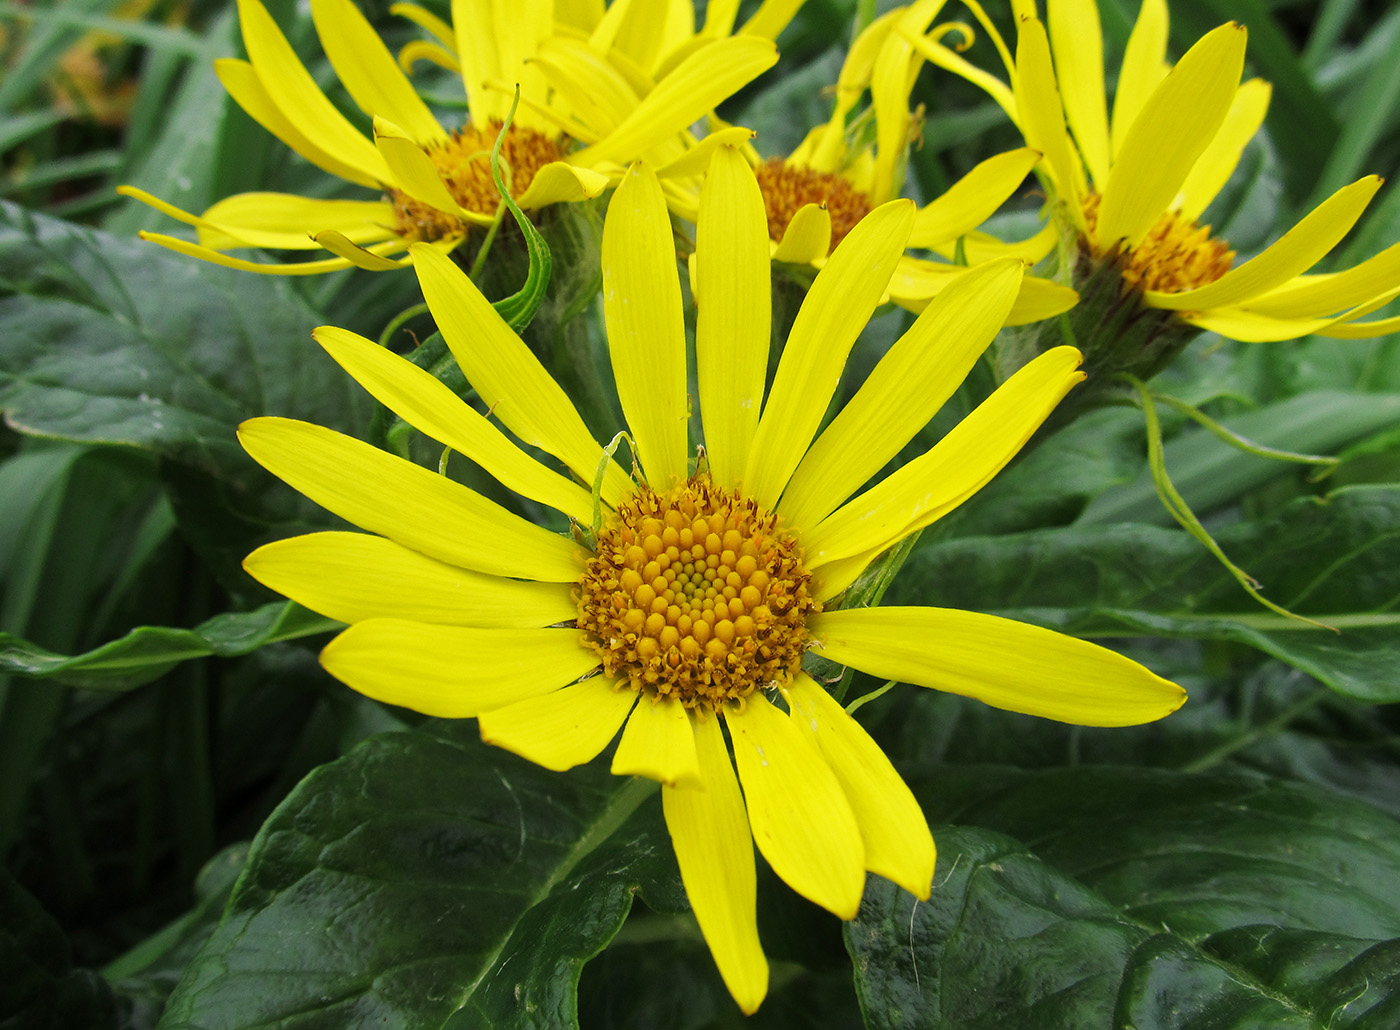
1335, 559
427, 880
1138, 898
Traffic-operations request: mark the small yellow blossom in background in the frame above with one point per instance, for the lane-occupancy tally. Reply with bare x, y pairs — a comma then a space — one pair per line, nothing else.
703, 583
435, 182
1132, 188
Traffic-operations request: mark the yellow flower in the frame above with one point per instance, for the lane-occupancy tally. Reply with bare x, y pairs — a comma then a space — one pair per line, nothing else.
1133, 187
707, 582
435, 183
841, 172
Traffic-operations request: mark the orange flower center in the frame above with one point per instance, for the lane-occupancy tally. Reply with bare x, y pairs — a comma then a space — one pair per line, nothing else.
696, 593
787, 188
1175, 256
464, 162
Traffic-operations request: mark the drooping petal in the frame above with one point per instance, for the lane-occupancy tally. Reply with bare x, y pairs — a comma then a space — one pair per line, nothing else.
831, 317
733, 311
903, 392
1077, 40
1170, 133
405, 502
562, 729
1295, 251
369, 72
972, 199
1144, 67
425, 20
424, 402
414, 171
356, 576
1214, 167
561, 183
646, 326
955, 468
215, 257
1312, 295
506, 375
807, 236
659, 743
1042, 117
898, 844
454, 672
710, 832
801, 820
283, 220
1006, 664
341, 246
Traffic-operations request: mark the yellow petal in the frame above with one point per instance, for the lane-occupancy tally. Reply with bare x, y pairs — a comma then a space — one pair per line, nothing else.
801, 820
1041, 116
710, 833
658, 743
807, 236
561, 183
338, 244
355, 576
1214, 167
939, 55
406, 503
416, 50
898, 844
587, 83
1005, 664
979, 247
697, 159
423, 401
560, 730
1144, 67
413, 170
955, 468
646, 327
454, 672
831, 317
507, 376
1312, 295
494, 43
733, 312
1078, 45
1251, 327
215, 257
242, 82
771, 18
283, 220
1170, 133
1295, 251
892, 77
972, 199
425, 20
294, 91
903, 392
368, 71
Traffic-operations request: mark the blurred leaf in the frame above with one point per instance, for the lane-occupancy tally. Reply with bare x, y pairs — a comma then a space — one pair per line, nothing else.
1166, 899
428, 880
40, 51
150, 651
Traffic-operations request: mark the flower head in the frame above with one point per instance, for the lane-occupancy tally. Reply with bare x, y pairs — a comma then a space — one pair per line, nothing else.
435, 183
1133, 186
688, 612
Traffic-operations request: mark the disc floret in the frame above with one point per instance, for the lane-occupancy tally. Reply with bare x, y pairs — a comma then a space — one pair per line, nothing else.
788, 187
1176, 255
696, 593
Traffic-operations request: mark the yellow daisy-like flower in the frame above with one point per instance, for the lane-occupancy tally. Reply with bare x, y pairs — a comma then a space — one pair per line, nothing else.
841, 172
435, 183
705, 584
1134, 186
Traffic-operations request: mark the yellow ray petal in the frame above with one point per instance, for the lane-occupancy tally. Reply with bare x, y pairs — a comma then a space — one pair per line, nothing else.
710, 832
646, 327
560, 730
903, 392
825, 146
278, 220
807, 236
697, 159
587, 83
427, 21
972, 199
416, 50
1077, 40
1214, 167
898, 844
891, 79
838, 575
955, 468
1042, 117
771, 18
413, 170
561, 183
1343, 330
1251, 327
291, 87
1170, 133
424, 402
338, 244
658, 743
1144, 67
835, 311
507, 377
368, 71
1295, 251
243, 84
1312, 295
355, 576
215, 257
454, 672
1006, 664
937, 54
733, 312
801, 820
406, 503
979, 247
700, 82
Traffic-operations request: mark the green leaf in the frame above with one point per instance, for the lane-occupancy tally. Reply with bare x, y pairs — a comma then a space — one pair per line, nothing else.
1335, 559
428, 880
150, 651
1164, 899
